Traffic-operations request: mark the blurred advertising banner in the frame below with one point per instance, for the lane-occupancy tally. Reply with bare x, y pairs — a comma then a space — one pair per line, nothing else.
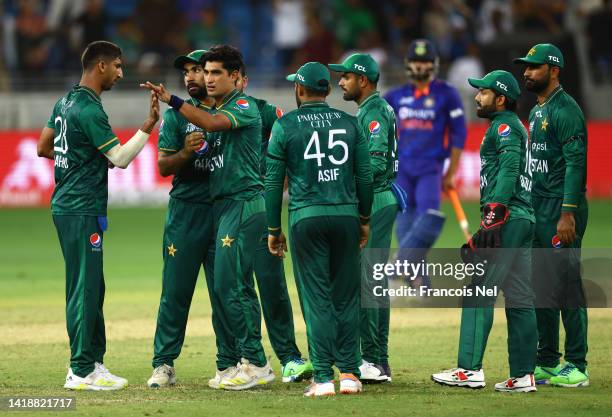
27, 180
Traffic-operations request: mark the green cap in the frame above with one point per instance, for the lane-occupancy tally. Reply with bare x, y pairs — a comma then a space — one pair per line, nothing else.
192, 57
543, 53
501, 81
362, 64
312, 75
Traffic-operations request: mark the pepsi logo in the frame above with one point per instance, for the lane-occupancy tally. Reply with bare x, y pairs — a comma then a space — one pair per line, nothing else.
96, 240
279, 113
556, 242
242, 104
503, 130
203, 149
374, 127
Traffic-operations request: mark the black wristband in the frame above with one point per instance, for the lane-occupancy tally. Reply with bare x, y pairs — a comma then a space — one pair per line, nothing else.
364, 220
176, 102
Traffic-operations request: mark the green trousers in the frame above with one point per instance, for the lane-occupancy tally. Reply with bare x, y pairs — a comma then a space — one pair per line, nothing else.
325, 253
275, 302
188, 243
374, 328
238, 227
557, 276
81, 239
510, 271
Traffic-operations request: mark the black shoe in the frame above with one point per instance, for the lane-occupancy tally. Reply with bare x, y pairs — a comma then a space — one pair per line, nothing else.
385, 370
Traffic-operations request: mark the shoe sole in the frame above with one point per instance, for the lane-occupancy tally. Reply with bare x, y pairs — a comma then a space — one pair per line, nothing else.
253, 383
524, 389
298, 377
87, 387
471, 385
157, 386
379, 380
327, 394
543, 381
577, 385
350, 391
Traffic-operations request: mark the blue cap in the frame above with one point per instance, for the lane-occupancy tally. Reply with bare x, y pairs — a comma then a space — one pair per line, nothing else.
422, 50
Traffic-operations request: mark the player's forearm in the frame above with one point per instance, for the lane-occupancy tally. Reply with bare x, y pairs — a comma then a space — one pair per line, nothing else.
275, 178
378, 164
44, 148
363, 179
203, 119
507, 177
574, 154
454, 160
171, 164
122, 155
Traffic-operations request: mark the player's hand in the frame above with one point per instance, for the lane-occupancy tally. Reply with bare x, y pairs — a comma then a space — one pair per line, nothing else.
494, 215
364, 233
153, 116
162, 94
566, 228
277, 245
193, 142
448, 182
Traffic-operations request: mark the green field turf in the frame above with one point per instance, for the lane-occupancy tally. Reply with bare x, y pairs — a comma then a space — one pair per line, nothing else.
34, 350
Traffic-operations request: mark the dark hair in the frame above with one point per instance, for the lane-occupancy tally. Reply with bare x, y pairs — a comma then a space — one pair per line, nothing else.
311, 92
509, 104
99, 51
229, 56
243, 71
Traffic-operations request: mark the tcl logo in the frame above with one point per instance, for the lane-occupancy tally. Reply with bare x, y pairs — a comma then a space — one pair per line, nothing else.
501, 85
359, 67
554, 58
301, 78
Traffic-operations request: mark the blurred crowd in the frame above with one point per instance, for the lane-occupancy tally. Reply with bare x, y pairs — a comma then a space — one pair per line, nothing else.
43, 38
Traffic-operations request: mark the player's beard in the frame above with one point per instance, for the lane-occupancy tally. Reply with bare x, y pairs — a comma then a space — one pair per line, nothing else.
537, 86
200, 93
350, 95
485, 110
297, 99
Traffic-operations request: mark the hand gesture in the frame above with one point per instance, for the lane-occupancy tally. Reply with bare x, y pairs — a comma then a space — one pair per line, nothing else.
277, 245
161, 92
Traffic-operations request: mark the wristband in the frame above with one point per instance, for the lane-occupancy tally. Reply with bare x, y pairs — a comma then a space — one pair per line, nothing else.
364, 220
176, 102
274, 231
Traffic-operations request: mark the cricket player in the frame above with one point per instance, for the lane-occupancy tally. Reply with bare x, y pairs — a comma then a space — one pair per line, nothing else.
376, 118
558, 161
323, 153
431, 126
80, 140
270, 272
188, 241
507, 223
233, 133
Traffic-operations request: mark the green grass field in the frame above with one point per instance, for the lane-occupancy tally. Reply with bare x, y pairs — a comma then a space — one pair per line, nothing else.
34, 350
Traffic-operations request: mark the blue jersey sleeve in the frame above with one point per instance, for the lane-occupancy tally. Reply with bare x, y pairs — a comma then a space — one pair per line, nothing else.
457, 129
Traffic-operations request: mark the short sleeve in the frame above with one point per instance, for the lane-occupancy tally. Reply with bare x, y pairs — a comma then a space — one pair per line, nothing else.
241, 112
94, 123
276, 146
169, 140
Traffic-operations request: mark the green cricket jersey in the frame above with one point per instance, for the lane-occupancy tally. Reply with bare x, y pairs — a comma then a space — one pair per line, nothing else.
504, 170
377, 120
559, 149
82, 136
325, 155
269, 113
235, 154
191, 183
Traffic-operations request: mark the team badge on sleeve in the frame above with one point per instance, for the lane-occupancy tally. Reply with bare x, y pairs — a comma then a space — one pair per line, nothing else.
503, 130
374, 127
242, 104
96, 240
279, 113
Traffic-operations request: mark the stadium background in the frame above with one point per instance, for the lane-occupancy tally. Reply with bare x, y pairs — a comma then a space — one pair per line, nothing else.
40, 47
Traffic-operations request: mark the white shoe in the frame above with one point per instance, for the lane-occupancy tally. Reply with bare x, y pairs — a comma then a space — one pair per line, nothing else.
371, 374
321, 389
163, 376
459, 377
227, 373
93, 382
248, 376
350, 384
526, 383
103, 370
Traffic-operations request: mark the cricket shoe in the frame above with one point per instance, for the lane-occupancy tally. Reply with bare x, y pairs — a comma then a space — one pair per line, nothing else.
525, 383
163, 376
371, 374
227, 373
542, 374
350, 384
248, 376
459, 377
570, 377
386, 371
297, 370
95, 381
321, 389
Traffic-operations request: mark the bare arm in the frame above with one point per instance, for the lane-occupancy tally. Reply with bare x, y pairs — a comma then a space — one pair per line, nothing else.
448, 182
172, 163
199, 117
45, 143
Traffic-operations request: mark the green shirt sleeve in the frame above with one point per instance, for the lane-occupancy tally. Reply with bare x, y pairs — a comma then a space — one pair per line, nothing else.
363, 177
169, 139
275, 178
51, 122
94, 123
241, 112
570, 130
269, 115
509, 157
375, 128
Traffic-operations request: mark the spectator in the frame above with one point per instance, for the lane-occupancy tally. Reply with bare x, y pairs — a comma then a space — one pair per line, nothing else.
207, 31
93, 21
320, 45
30, 31
159, 21
289, 29
129, 39
494, 19
599, 33
353, 18
468, 66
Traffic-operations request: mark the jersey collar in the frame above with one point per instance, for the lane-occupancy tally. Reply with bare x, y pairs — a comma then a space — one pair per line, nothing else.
552, 94
229, 97
315, 104
369, 98
88, 91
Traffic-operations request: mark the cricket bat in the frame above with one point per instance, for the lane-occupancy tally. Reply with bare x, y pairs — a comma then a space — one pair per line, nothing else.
463, 223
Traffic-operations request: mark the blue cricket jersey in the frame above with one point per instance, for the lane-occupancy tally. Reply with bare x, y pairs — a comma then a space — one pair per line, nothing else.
424, 119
